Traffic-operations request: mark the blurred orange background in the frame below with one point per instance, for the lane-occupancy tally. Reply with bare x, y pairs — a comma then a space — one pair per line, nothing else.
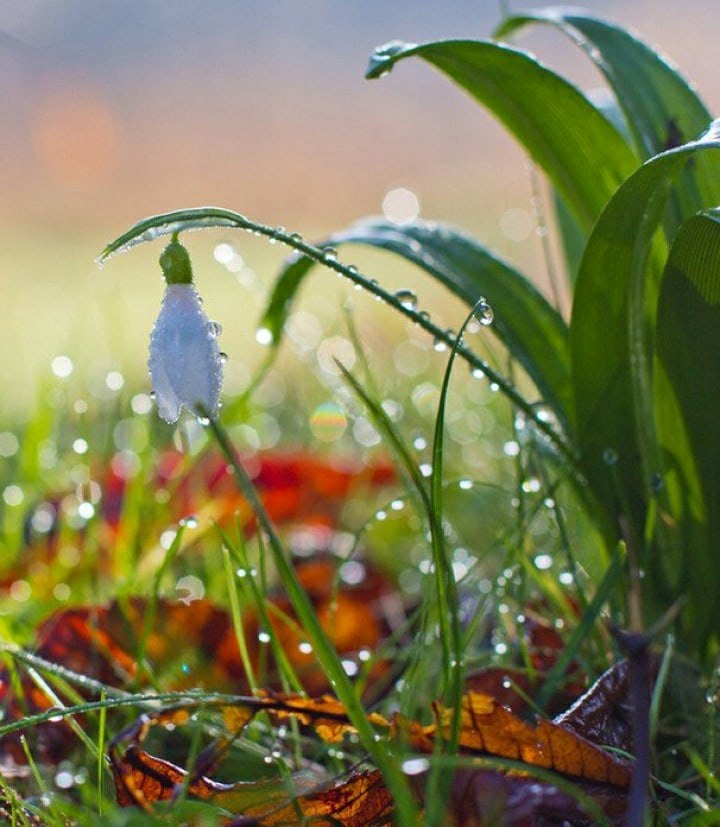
114, 111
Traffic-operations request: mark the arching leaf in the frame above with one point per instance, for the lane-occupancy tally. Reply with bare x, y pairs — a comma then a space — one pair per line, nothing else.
531, 329
585, 157
688, 401
611, 336
661, 108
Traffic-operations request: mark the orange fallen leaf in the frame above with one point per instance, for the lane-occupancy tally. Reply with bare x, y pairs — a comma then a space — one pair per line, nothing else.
487, 727
361, 799
195, 645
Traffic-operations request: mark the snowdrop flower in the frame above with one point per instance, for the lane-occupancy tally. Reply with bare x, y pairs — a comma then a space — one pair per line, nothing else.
185, 362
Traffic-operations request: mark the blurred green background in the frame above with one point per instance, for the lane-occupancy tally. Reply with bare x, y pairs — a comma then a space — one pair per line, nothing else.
117, 110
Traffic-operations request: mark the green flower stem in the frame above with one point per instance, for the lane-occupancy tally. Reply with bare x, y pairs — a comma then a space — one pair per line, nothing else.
406, 807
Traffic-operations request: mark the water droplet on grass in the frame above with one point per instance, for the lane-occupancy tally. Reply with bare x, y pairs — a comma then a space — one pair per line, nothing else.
407, 298
415, 766
264, 336
484, 313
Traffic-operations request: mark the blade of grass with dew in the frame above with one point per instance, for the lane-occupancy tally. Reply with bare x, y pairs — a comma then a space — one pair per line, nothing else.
202, 217
236, 615
288, 677
383, 423
525, 322
584, 156
440, 779
616, 293
52, 696
589, 617
101, 760
192, 698
406, 807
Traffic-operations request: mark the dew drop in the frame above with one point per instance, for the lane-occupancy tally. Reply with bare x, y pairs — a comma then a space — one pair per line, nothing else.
330, 254
415, 766
264, 336
191, 521
484, 313
407, 298
214, 328
223, 357
610, 456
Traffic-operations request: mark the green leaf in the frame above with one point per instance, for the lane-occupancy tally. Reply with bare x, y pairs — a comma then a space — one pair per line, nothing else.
611, 336
661, 109
572, 237
531, 329
688, 406
581, 152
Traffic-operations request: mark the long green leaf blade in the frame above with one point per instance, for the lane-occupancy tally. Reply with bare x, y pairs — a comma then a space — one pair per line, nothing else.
611, 335
581, 152
688, 406
661, 108
531, 329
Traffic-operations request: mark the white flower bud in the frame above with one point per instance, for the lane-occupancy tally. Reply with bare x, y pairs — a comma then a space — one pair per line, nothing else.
185, 363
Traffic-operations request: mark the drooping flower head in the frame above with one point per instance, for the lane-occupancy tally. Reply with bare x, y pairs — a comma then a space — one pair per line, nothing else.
185, 362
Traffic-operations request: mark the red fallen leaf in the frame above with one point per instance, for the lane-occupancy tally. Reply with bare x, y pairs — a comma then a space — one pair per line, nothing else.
509, 686
544, 648
195, 644
512, 687
604, 713
296, 488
